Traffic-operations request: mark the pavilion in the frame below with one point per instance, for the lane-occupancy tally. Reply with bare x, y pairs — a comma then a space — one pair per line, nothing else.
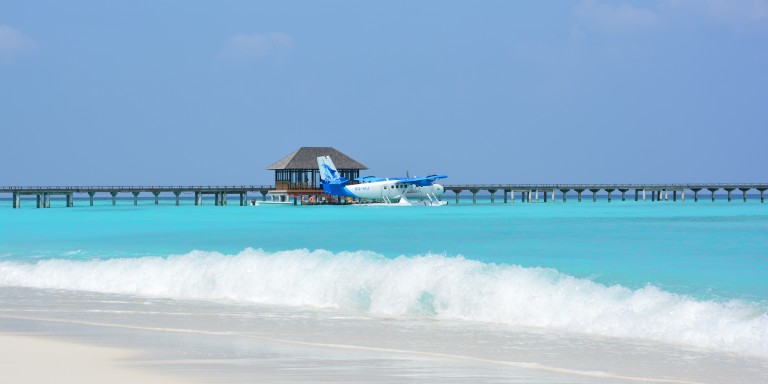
298, 174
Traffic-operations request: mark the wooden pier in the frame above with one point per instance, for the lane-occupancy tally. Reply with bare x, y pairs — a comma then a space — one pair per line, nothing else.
220, 193
654, 192
528, 192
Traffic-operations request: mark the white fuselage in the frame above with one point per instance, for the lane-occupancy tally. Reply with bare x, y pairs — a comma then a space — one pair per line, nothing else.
392, 190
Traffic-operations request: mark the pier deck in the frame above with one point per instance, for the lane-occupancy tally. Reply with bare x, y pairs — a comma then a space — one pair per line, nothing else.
528, 192
220, 193
658, 192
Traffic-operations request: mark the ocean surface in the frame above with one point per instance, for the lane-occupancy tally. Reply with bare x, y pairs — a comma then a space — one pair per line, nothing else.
536, 292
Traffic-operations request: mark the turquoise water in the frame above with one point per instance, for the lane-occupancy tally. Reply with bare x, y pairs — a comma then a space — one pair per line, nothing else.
707, 250
684, 273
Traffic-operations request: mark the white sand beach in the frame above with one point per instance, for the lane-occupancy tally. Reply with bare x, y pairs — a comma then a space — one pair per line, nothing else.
34, 359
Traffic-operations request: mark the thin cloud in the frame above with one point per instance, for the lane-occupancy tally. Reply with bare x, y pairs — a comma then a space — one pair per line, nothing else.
728, 12
14, 44
248, 47
614, 17
622, 17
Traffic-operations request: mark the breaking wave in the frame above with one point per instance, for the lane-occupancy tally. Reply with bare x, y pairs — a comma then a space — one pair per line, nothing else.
431, 286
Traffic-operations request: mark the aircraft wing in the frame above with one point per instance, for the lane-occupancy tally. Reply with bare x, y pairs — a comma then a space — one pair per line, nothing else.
421, 181
370, 179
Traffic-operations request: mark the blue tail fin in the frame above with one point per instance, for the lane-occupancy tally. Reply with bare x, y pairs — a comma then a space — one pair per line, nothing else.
328, 172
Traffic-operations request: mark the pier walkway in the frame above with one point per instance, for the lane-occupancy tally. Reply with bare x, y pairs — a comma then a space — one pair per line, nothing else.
220, 193
657, 192
528, 192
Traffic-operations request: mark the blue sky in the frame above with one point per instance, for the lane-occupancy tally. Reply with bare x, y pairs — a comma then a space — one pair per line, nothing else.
179, 92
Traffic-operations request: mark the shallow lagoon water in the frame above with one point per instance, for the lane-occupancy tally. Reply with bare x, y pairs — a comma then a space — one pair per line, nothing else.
708, 250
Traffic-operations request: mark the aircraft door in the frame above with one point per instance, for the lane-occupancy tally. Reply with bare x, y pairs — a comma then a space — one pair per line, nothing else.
389, 192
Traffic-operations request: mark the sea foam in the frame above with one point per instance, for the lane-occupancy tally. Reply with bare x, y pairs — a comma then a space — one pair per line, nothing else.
431, 286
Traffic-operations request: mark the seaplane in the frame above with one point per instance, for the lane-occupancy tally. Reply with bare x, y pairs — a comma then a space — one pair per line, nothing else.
399, 191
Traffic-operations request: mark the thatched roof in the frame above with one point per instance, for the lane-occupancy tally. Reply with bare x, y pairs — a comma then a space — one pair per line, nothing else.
306, 158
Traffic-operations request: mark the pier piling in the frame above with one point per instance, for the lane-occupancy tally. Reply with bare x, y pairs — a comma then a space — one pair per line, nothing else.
713, 190
729, 190
578, 193
623, 193
695, 194
594, 194
744, 193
